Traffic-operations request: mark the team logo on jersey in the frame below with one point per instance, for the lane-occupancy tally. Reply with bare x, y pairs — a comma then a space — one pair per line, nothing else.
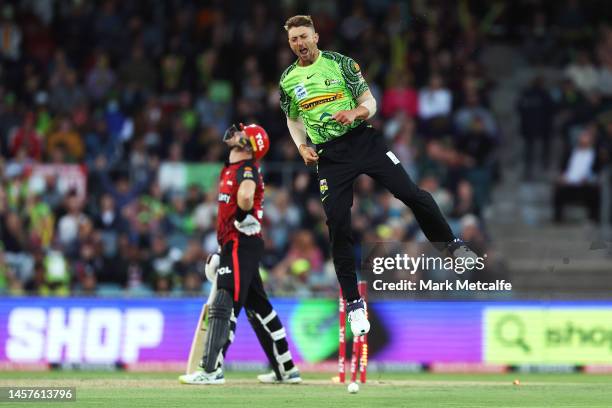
329, 82
248, 172
300, 92
224, 198
315, 101
323, 186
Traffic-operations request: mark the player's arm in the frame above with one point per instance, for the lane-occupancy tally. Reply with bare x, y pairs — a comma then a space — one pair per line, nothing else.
298, 134
365, 110
359, 90
296, 126
246, 195
245, 221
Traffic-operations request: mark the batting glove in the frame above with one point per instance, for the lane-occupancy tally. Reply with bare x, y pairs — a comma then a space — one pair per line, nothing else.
248, 226
212, 263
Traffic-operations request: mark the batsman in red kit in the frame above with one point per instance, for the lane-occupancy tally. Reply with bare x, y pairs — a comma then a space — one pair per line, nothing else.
236, 266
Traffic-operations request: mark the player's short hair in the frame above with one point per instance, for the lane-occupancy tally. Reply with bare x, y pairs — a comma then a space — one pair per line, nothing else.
299, 21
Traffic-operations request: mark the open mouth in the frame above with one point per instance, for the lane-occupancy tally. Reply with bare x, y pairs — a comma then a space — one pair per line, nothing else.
303, 52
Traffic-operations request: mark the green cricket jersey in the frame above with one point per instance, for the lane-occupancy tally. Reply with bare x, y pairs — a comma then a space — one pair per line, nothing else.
316, 92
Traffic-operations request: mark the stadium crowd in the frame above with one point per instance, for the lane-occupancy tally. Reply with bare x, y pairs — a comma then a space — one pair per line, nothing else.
570, 114
110, 92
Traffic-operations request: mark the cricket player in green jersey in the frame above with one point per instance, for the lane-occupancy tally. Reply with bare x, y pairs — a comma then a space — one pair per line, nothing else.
327, 100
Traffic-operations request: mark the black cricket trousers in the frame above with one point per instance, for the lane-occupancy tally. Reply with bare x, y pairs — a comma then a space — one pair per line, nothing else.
363, 151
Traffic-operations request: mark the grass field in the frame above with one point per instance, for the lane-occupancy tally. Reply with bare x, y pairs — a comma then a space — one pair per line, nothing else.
120, 389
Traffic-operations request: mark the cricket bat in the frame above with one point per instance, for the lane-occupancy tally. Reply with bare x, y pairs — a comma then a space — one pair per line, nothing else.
199, 337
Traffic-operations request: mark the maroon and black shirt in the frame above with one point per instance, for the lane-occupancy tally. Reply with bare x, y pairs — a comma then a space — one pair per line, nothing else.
231, 176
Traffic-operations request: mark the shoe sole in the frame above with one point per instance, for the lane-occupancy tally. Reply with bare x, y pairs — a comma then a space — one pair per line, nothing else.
214, 382
288, 381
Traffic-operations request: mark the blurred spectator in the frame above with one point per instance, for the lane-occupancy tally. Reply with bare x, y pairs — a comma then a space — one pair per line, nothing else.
473, 111
100, 79
10, 33
577, 182
282, 216
66, 93
536, 109
25, 142
583, 73
400, 96
68, 225
302, 267
68, 139
137, 72
434, 100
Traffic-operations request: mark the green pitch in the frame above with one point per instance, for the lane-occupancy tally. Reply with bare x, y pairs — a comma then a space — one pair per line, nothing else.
117, 389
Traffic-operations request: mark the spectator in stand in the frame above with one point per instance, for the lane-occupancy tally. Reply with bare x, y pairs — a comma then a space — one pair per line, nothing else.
604, 54
435, 100
400, 96
68, 138
66, 93
25, 142
121, 190
583, 73
137, 72
11, 35
69, 224
536, 109
474, 110
435, 106
578, 180
87, 268
100, 79
283, 216
304, 261
477, 147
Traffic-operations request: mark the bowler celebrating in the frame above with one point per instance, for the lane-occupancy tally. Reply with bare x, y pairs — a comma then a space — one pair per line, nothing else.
326, 99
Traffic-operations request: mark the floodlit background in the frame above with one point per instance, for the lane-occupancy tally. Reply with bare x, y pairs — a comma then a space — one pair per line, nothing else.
111, 116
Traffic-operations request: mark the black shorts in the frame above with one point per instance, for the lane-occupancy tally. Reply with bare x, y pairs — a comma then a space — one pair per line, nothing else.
363, 151
238, 271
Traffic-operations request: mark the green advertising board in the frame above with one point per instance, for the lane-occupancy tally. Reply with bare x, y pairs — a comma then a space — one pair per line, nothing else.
178, 176
547, 335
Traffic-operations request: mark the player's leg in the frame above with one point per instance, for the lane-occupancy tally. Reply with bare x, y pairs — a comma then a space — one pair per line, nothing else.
232, 332
245, 262
337, 172
220, 316
382, 165
271, 335
217, 335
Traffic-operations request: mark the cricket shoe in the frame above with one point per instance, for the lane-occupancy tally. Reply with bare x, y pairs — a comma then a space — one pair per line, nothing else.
290, 377
458, 249
201, 377
357, 317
